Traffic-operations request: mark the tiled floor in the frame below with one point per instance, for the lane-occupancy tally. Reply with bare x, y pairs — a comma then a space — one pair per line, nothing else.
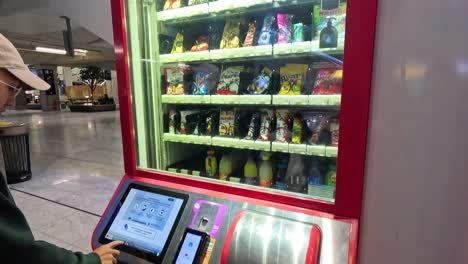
76, 161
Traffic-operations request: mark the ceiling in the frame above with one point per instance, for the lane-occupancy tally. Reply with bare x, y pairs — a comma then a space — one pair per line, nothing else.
28, 29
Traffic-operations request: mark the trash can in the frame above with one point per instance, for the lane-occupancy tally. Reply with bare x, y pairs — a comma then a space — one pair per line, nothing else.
14, 142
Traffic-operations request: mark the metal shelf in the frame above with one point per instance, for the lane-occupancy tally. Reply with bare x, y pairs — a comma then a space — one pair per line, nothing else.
302, 149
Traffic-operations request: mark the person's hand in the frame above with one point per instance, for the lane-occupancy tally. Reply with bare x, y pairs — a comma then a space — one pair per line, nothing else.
107, 253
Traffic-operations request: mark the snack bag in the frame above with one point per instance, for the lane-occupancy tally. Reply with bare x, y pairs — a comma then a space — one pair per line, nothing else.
284, 28
174, 120
197, 2
231, 34
202, 43
297, 130
206, 79
293, 77
334, 131
188, 122
261, 83
317, 124
209, 123
178, 46
175, 80
229, 81
336, 16
215, 32
283, 133
249, 38
266, 34
172, 4
328, 81
254, 127
298, 32
226, 123
266, 125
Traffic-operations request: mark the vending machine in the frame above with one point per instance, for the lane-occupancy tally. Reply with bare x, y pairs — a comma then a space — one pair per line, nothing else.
244, 128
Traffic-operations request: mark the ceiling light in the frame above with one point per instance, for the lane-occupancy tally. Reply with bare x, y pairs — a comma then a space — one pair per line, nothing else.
50, 50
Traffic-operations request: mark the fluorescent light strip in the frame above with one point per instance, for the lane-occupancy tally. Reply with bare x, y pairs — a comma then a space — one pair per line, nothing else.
60, 51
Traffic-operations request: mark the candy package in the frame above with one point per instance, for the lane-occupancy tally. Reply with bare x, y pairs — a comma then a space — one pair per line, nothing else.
175, 80
209, 123
174, 121
254, 127
328, 81
197, 2
267, 117
261, 83
230, 81
334, 132
188, 122
318, 128
231, 34
283, 121
226, 123
215, 32
337, 17
284, 28
172, 4
202, 43
206, 79
297, 130
293, 77
241, 125
249, 38
178, 46
298, 32
267, 34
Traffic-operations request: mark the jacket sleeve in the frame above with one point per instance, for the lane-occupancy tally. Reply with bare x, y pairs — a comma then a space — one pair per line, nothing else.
18, 244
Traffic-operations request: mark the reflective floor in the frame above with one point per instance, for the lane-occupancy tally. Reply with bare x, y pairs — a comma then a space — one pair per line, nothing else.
77, 162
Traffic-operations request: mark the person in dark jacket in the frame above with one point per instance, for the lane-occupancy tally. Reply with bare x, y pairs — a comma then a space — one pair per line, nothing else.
17, 243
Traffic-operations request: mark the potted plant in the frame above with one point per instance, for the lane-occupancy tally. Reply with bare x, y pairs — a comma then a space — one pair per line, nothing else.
92, 76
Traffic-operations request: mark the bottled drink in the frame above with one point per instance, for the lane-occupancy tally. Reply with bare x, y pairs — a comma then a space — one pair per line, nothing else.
280, 179
250, 171
225, 167
266, 171
211, 164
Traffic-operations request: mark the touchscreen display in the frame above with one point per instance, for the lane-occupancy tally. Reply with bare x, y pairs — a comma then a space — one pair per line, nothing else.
145, 220
189, 248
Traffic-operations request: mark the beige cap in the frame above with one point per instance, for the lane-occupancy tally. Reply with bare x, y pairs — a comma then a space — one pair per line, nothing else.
11, 60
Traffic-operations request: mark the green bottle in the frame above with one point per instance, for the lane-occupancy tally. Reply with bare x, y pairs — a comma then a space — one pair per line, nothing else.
250, 171
331, 175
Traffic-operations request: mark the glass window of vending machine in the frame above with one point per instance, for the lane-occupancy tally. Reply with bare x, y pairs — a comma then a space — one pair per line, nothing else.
250, 94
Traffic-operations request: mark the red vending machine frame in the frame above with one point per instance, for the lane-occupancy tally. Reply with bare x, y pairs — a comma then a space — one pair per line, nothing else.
357, 81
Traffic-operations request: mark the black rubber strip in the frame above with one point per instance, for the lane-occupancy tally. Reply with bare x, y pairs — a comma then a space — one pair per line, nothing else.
52, 201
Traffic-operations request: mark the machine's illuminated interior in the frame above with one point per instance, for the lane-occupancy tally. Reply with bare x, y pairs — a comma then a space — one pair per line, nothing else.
245, 92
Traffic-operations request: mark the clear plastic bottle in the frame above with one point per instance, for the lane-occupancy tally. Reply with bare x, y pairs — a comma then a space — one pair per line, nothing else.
280, 178
225, 167
250, 171
266, 171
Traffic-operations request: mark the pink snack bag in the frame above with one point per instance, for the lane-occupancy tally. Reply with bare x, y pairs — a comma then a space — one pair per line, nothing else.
284, 28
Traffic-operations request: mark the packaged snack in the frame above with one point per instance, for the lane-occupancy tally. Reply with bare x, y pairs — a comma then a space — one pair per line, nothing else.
266, 34
174, 120
178, 46
206, 79
297, 130
175, 80
328, 81
202, 43
231, 34
333, 21
254, 127
188, 122
284, 28
172, 4
215, 32
267, 117
283, 133
293, 77
261, 83
334, 131
229, 81
249, 38
298, 32
208, 123
196, 2
165, 44
317, 124
226, 123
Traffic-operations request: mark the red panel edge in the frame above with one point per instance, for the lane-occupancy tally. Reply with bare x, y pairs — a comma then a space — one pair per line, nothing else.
355, 105
230, 233
353, 242
93, 246
314, 246
123, 79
